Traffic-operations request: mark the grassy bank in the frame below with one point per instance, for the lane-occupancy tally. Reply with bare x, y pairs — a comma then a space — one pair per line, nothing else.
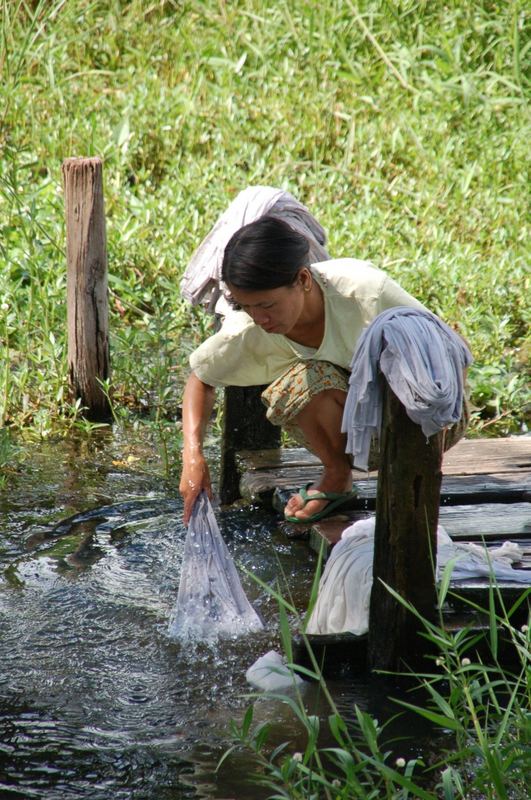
402, 125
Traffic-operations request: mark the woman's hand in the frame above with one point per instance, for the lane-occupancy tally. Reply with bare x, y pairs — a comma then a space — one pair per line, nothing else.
194, 478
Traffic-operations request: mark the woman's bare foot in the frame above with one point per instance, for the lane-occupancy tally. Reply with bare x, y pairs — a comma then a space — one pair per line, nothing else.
320, 423
339, 481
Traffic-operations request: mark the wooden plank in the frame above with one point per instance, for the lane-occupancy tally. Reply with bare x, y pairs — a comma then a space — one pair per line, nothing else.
337, 651
468, 457
276, 457
509, 487
488, 520
493, 522
484, 456
467, 489
453, 621
330, 532
330, 529
475, 470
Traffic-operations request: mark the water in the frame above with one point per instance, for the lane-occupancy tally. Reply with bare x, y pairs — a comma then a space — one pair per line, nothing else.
96, 700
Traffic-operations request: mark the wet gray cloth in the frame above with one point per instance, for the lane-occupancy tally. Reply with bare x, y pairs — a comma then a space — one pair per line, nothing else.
201, 282
423, 361
210, 601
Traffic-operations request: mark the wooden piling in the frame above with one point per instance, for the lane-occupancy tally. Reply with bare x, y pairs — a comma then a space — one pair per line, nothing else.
407, 510
245, 427
87, 301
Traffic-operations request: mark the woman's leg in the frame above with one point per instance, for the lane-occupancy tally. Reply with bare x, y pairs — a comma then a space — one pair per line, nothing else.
307, 401
320, 423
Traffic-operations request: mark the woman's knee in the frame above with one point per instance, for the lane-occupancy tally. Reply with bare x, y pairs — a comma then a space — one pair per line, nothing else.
321, 406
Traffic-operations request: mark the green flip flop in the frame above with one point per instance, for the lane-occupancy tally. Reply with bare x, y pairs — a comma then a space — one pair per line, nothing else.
336, 499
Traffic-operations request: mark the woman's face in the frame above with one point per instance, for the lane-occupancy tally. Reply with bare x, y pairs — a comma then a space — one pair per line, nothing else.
274, 310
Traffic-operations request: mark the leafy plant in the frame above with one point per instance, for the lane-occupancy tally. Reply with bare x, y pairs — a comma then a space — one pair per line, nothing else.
402, 126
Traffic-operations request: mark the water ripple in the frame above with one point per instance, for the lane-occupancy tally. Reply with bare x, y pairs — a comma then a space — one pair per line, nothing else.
96, 700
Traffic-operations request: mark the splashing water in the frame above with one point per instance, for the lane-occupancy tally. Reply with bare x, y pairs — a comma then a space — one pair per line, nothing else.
211, 601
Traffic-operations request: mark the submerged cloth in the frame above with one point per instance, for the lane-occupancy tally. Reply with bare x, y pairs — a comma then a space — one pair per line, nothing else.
210, 601
201, 282
423, 361
345, 588
270, 673
243, 354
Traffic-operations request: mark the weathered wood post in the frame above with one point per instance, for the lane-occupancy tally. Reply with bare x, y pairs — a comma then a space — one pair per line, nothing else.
87, 301
245, 427
407, 511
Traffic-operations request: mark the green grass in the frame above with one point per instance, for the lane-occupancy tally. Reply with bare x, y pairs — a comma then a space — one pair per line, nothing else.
402, 125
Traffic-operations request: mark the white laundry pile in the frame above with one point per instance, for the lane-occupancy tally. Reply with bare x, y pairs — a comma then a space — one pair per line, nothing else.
345, 588
423, 361
201, 282
210, 601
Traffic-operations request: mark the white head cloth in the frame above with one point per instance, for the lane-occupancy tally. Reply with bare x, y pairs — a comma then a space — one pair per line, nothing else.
201, 282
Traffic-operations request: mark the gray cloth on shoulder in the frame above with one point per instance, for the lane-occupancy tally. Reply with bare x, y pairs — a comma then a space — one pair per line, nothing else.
201, 282
423, 361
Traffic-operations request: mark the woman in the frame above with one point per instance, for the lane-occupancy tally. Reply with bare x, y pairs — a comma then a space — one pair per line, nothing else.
296, 330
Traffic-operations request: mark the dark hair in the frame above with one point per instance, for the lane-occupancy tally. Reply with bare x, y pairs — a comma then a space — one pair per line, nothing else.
264, 254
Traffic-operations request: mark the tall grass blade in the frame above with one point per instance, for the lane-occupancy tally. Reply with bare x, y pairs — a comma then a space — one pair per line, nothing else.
285, 633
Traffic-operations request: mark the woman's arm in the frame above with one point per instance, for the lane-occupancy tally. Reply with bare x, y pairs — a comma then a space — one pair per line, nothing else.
198, 402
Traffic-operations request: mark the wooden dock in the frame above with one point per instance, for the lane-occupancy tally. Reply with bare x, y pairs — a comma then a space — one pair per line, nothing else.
485, 496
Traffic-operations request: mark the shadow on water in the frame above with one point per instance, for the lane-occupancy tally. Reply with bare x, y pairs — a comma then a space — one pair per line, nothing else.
96, 700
